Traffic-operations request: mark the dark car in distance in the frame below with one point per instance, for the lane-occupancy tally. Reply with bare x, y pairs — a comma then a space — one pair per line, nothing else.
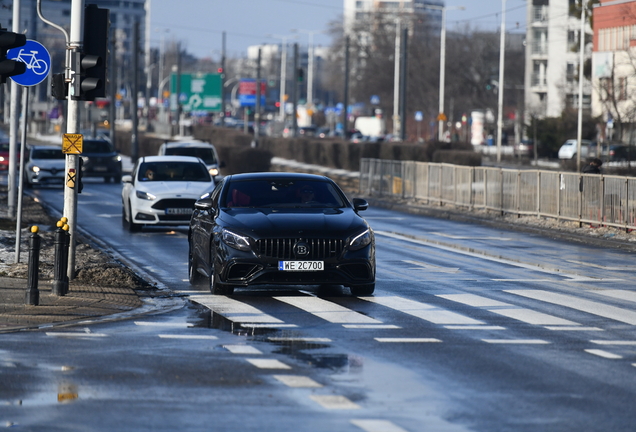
99, 159
280, 229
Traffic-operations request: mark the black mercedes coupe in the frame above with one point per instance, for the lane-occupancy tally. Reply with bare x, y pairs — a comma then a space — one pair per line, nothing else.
280, 229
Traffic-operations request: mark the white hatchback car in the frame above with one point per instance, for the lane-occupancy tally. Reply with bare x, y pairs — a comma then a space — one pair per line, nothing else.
205, 151
44, 165
161, 190
568, 149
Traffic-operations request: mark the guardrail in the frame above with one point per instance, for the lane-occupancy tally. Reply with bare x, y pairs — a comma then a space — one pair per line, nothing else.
584, 198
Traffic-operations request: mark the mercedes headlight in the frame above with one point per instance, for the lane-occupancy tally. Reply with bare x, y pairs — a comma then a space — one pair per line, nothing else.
360, 241
235, 241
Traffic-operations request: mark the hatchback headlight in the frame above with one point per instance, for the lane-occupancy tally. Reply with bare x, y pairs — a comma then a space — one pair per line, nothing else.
235, 241
360, 241
214, 172
35, 169
145, 196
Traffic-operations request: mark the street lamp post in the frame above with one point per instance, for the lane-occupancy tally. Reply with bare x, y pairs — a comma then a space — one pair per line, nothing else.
310, 66
502, 51
283, 74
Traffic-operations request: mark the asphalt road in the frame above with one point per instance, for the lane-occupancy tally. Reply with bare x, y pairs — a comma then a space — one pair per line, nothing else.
471, 328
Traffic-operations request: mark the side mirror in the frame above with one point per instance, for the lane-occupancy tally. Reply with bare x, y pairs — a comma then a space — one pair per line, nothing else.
126, 179
203, 204
360, 204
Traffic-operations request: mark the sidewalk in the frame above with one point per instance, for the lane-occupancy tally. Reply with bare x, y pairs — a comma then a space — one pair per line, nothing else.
83, 302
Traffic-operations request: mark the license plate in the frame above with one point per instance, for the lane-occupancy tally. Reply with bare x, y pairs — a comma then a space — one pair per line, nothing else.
179, 211
100, 169
301, 265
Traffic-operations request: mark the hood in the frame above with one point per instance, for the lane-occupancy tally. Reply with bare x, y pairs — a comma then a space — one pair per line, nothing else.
175, 188
261, 223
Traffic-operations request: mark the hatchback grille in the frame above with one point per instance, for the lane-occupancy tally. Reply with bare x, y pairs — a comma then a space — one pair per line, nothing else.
283, 248
174, 203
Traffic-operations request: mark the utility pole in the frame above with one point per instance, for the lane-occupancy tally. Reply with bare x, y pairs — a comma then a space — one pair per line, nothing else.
13, 128
396, 81
257, 102
500, 90
135, 91
346, 88
72, 127
405, 35
295, 92
223, 80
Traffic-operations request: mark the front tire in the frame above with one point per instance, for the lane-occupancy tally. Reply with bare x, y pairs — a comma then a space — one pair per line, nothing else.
217, 288
194, 276
130, 226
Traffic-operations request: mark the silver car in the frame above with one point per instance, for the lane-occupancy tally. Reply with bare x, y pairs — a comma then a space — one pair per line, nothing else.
44, 165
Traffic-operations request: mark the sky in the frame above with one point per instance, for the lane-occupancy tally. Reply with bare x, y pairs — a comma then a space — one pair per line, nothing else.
199, 24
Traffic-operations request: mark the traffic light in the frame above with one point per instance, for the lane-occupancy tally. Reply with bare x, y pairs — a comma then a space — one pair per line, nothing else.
59, 87
301, 75
90, 65
80, 167
9, 68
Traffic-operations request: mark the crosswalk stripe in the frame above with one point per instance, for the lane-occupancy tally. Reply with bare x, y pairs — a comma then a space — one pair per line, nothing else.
516, 341
192, 337
613, 342
162, 324
242, 349
604, 354
234, 310
520, 314
268, 364
371, 425
572, 302
423, 311
297, 381
334, 402
619, 294
408, 340
328, 311
298, 339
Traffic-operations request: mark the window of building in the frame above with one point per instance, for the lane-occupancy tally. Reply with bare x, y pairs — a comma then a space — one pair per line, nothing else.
622, 88
570, 72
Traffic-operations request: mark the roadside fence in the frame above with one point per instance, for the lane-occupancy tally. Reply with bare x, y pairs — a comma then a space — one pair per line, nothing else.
584, 198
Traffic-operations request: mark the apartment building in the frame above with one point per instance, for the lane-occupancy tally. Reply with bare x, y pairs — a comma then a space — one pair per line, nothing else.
552, 59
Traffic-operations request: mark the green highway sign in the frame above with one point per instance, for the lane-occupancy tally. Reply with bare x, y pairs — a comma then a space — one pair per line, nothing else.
198, 92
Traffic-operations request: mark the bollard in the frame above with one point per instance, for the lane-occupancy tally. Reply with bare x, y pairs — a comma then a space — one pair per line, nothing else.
67, 243
32, 292
60, 281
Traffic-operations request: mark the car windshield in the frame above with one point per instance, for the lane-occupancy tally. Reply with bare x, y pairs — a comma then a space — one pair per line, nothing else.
206, 154
282, 193
173, 171
47, 154
90, 146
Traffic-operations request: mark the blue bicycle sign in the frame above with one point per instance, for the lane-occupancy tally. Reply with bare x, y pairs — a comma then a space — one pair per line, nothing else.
37, 60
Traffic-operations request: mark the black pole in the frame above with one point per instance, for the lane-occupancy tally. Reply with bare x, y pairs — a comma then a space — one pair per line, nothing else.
346, 88
295, 92
32, 292
223, 81
61, 243
135, 89
404, 75
257, 103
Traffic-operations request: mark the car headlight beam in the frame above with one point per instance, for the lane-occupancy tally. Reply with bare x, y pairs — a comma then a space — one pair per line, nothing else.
235, 241
360, 241
145, 196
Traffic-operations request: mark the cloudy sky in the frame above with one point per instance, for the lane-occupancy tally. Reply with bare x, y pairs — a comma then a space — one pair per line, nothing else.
199, 24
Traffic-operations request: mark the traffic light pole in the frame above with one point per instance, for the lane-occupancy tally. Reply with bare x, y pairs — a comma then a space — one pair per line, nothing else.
12, 184
73, 127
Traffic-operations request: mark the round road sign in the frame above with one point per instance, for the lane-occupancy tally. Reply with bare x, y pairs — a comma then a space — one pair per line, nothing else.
37, 59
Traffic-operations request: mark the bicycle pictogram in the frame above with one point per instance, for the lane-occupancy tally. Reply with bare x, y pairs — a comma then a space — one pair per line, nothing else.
38, 66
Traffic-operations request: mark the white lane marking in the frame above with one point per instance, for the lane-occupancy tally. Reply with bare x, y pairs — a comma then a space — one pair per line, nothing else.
485, 327
234, 310
613, 342
328, 311
604, 354
566, 328
371, 326
457, 237
619, 294
572, 302
298, 339
273, 325
334, 402
408, 340
587, 264
297, 381
76, 334
194, 337
242, 349
268, 364
108, 216
516, 341
517, 313
485, 256
423, 311
370, 425
162, 324
430, 267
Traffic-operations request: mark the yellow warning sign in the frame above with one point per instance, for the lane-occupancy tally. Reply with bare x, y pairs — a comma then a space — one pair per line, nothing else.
72, 143
70, 178
441, 117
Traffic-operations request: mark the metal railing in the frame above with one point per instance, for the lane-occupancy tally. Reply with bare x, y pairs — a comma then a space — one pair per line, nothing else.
584, 198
